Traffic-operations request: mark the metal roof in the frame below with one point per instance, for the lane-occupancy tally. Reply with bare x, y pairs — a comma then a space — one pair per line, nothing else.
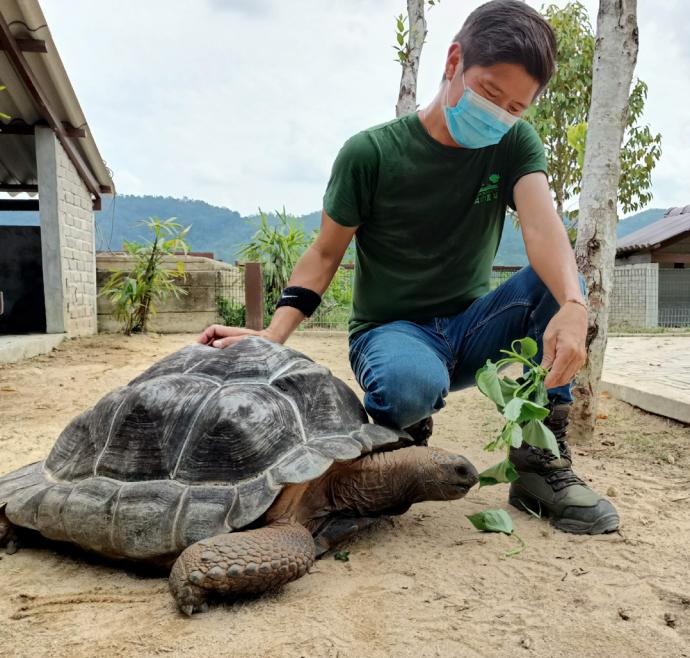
674, 222
39, 93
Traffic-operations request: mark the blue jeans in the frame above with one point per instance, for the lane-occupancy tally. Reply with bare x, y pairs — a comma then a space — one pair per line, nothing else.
406, 369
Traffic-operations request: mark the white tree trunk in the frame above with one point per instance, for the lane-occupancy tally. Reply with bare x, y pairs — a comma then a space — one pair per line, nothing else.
614, 62
407, 98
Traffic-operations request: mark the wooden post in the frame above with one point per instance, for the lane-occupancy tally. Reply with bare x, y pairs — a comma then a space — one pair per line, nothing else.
254, 295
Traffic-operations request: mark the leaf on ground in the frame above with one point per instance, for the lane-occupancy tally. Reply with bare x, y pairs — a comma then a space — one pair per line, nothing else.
343, 556
492, 520
503, 472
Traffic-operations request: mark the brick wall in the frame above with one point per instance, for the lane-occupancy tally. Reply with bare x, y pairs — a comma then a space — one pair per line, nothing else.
78, 249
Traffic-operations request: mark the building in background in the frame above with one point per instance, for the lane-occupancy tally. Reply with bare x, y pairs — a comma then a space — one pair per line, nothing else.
49, 162
652, 276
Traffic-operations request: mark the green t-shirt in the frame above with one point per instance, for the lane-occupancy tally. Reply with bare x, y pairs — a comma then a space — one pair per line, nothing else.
430, 216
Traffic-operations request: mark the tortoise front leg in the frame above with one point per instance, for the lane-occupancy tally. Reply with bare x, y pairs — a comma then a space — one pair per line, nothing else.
240, 563
8, 533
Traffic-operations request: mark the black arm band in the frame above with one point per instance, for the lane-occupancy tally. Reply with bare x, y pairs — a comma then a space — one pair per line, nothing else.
302, 299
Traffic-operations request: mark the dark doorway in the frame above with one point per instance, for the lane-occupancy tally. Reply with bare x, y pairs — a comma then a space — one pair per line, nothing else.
21, 280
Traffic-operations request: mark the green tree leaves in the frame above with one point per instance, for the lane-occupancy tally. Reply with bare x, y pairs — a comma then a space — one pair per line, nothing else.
560, 118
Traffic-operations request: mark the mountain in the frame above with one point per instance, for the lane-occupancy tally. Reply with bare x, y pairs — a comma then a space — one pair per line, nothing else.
222, 231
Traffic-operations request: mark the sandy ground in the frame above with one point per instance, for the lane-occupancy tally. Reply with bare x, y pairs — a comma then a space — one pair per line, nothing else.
427, 585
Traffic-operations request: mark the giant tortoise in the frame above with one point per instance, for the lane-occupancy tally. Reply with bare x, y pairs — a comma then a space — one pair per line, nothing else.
237, 467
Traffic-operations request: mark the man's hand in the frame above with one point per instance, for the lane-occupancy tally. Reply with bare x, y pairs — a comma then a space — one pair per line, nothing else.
565, 344
218, 335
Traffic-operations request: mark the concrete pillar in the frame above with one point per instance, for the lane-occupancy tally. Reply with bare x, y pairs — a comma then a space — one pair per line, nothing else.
51, 238
67, 240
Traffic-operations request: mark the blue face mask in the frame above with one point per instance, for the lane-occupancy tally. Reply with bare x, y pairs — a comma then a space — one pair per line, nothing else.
476, 122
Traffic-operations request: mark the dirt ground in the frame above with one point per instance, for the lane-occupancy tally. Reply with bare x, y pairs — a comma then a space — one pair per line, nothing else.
427, 585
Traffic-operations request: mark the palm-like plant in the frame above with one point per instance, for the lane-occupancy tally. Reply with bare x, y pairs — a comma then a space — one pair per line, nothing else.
277, 247
135, 293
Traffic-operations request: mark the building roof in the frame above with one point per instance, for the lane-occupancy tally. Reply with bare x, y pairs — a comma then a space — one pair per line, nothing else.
675, 222
38, 92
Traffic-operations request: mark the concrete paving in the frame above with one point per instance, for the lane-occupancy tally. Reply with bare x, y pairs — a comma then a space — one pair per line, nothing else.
16, 348
650, 372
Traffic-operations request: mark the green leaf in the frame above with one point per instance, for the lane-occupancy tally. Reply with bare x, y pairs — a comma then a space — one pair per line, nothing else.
400, 38
512, 434
508, 387
526, 347
492, 520
520, 410
537, 434
343, 556
488, 383
501, 473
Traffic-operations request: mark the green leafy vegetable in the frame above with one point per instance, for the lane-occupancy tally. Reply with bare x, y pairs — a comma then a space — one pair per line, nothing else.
487, 382
522, 402
502, 472
497, 520
537, 434
492, 520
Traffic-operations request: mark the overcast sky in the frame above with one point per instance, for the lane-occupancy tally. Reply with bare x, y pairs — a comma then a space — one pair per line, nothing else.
245, 103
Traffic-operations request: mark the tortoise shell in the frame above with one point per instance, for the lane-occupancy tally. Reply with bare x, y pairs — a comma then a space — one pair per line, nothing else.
200, 443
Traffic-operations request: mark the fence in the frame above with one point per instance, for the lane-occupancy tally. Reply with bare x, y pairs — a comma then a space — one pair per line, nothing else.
644, 297
239, 298
674, 297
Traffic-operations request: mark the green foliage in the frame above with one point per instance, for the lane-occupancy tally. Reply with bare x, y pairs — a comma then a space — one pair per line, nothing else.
498, 473
231, 313
277, 248
560, 118
402, 49
496, 520
522, 402
343, 556
492, 520
135, 293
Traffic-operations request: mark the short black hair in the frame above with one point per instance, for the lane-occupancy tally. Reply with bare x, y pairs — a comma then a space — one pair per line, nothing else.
509, 31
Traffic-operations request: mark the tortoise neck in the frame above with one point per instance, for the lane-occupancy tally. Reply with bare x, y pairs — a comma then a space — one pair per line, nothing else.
377, 484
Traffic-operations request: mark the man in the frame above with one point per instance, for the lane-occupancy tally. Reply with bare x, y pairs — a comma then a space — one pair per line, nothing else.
425, 197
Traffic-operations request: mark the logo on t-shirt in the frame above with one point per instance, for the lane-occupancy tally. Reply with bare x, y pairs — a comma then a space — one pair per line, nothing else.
488, 192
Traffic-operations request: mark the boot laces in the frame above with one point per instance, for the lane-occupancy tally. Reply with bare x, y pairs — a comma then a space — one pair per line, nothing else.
560, 478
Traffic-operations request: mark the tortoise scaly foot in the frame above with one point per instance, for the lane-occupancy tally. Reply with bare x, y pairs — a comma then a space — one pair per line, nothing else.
8, 533
240, 563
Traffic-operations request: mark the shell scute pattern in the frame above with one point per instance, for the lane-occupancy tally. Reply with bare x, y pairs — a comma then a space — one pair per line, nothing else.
199, 444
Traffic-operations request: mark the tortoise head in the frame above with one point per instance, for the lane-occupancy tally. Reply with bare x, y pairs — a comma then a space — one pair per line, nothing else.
443, 475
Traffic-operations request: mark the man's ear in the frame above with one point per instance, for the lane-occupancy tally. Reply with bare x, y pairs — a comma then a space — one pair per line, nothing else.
453, 60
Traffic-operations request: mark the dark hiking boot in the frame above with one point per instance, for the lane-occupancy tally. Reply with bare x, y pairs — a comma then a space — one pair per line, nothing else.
547, 486
421, 431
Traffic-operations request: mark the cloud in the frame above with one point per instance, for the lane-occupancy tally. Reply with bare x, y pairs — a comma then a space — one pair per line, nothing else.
246, 102
256, 8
